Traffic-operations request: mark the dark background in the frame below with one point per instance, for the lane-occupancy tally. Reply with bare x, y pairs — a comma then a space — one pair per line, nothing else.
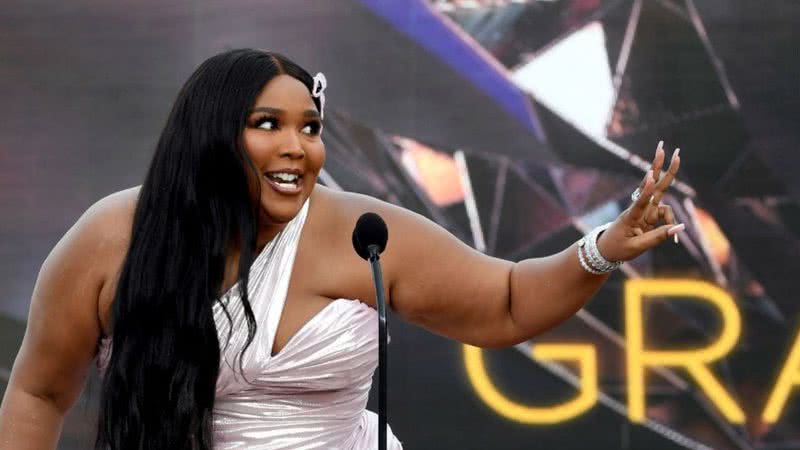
86, 87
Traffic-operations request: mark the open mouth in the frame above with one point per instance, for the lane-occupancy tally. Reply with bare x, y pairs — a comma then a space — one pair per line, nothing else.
285, 182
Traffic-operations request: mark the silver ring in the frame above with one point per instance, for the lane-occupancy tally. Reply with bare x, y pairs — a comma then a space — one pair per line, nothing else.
635, 195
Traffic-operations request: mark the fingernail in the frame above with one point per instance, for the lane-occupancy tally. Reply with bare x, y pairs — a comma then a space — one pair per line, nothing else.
674, 230
677, 152
660, 145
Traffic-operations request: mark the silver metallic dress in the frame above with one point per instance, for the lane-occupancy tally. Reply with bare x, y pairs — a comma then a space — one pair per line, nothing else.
310, 395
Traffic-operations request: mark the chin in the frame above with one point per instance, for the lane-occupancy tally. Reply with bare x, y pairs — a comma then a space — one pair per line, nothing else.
282, 210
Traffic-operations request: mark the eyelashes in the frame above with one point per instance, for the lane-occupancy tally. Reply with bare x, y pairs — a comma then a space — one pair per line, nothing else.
270, 123
266, 123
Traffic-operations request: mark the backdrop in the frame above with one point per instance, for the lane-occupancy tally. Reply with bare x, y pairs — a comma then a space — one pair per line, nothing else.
517, 125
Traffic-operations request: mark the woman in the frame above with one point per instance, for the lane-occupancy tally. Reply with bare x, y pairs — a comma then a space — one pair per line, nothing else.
152, 278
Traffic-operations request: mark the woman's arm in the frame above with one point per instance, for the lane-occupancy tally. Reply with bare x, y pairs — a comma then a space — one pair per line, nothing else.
61, 335
442, 284
561, 278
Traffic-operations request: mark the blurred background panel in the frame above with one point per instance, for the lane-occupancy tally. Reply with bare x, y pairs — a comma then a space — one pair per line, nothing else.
517, 125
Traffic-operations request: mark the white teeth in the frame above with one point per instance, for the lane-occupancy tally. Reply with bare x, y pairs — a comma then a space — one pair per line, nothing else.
290, 177
283, 180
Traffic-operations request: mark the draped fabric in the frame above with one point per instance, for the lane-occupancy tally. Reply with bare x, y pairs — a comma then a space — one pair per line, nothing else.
310, 395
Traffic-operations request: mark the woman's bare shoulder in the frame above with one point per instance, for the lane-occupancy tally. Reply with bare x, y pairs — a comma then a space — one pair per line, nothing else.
100, 237
340, 211
110, 219
99, 241
63, 324
348, 206
120, 204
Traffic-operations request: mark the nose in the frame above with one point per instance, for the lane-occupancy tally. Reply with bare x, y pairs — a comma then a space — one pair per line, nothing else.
291, 147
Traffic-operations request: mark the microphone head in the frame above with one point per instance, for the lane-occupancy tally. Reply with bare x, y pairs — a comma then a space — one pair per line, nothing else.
370, 230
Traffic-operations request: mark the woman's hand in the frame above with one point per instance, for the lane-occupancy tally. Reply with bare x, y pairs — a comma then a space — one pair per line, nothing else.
637, 229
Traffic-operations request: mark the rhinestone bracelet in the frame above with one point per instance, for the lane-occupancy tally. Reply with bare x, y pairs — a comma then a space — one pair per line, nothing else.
589, 255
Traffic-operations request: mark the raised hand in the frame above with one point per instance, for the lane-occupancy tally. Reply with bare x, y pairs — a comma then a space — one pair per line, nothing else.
637, 229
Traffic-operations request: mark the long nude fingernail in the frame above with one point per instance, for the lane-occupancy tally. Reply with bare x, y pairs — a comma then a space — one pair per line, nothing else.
674, 230
660, 145
677, 152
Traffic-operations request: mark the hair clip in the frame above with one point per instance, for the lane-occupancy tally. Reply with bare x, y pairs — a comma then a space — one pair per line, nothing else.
320, 83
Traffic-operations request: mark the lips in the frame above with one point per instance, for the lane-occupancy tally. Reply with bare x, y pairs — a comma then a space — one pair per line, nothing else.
286, 181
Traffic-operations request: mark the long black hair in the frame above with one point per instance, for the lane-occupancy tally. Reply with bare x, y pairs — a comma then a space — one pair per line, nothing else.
199, 201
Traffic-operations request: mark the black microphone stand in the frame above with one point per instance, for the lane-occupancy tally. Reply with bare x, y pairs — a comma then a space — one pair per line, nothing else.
377, 277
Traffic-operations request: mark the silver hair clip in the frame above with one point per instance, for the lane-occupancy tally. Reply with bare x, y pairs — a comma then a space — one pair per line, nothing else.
320, 83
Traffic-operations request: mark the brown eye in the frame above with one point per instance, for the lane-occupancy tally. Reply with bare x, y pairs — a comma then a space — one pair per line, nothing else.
312, 128
267, 123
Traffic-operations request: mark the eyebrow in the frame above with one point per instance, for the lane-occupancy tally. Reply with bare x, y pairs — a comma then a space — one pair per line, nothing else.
278, 111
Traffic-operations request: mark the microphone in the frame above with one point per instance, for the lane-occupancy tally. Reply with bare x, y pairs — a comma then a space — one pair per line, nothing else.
369, 241
370, 236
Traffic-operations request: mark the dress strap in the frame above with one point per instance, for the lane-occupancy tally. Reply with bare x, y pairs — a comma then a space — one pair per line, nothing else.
269, 283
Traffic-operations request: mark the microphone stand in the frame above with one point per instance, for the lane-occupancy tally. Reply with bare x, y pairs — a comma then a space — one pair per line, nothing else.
382, 338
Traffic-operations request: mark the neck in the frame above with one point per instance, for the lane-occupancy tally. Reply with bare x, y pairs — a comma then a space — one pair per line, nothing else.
266, 234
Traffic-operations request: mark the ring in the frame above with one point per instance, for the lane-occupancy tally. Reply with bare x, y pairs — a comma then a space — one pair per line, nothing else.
637, 193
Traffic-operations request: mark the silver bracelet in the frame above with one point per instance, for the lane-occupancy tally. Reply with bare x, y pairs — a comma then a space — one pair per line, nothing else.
589, 255
586, 265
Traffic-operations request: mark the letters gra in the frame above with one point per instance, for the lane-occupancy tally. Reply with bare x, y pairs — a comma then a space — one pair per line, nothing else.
695, 361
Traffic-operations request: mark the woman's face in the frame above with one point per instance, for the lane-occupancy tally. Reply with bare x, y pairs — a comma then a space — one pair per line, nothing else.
282, 137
